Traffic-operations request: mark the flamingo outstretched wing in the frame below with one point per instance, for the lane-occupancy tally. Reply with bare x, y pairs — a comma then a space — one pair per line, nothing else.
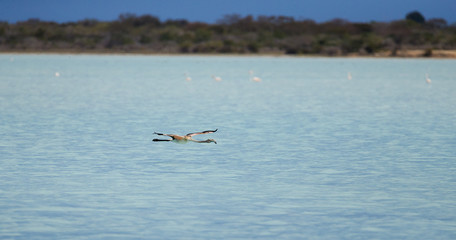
173, 136
203, 132
162, 134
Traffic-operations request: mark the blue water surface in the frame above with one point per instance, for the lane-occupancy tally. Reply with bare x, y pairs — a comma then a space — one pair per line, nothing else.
304, 154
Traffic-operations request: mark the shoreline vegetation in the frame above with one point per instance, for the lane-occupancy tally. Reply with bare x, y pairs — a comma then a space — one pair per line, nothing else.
234, 35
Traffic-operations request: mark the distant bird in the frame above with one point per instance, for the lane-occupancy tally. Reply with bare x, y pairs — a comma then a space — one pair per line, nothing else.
57, 74
253, 78
218, 79
349, 76
187, 77
428, 80
186, 138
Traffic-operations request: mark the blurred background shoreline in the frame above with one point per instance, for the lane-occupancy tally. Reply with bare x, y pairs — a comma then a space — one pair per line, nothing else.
438, 54
413, 36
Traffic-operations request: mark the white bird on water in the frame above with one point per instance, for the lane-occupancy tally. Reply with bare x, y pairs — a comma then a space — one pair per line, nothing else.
218, 79
184, 139
349, 76
428, 80
254, 78
187, 77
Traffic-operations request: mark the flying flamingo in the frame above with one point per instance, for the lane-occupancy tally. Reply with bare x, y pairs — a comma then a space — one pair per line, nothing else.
186, 138
253, 78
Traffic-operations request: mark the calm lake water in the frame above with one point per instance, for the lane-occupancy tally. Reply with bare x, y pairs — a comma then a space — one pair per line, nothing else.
304, 154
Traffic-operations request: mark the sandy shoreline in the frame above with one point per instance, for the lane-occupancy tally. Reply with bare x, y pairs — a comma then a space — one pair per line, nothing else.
445, 54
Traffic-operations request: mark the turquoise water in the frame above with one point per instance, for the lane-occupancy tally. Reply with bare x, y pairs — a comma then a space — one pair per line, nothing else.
304, 154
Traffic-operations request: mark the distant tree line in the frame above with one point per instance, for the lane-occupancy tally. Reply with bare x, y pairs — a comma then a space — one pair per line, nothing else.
231, 34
